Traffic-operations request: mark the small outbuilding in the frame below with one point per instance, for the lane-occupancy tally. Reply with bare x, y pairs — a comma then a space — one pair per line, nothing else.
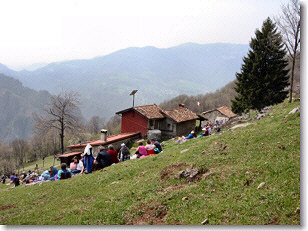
221, 114
68, 157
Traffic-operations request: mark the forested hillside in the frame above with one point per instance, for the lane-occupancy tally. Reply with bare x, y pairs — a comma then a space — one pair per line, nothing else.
220, 97
18, 103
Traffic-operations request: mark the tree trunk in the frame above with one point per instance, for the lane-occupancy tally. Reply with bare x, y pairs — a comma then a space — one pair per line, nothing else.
62, 136
292, 77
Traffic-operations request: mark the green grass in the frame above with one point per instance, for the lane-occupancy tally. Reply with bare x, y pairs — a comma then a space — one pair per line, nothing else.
148, 191
47, 163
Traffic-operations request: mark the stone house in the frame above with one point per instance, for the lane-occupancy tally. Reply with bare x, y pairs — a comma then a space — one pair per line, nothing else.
223, 114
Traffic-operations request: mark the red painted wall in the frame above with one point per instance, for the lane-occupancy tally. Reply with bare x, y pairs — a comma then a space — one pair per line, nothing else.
134, 122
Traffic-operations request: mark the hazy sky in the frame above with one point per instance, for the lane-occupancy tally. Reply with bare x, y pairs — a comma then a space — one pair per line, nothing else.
35, 31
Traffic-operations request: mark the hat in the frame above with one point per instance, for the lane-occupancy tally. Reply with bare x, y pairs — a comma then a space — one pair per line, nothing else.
122, 145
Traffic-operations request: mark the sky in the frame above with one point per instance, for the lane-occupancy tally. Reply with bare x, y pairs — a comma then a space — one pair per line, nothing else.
36, 31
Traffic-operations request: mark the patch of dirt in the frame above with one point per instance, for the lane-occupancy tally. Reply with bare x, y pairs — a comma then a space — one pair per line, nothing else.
58, 218
172, 171
274, 221
38, 202
4, 207
174, 188
153, 213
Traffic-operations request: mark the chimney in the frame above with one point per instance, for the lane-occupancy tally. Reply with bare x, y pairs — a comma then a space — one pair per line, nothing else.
181, 105
104, 135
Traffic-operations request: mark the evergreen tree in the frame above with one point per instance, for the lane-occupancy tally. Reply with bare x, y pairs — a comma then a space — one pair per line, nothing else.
263, 78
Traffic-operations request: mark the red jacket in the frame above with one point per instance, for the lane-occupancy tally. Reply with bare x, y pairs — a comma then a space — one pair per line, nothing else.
114, 156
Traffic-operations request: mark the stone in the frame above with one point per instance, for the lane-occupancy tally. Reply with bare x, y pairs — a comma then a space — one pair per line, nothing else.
259, 116
206, 221
189, 174
261, 185
240, 126
185, 150
294, 110
298, 210
154, 134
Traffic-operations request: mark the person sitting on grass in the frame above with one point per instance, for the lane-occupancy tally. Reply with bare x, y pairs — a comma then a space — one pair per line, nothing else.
64, 173
103, 158
150, 148
76, 166
157, 146
54, 171
191, 135
124, 153
141, 150
113, 154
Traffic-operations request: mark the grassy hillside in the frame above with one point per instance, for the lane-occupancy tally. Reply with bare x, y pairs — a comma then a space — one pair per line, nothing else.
149, 191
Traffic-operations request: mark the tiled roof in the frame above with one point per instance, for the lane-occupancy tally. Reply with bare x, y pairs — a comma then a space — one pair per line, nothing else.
223, 110
69, 154
110, 140
151, 111
181, 114
226, 111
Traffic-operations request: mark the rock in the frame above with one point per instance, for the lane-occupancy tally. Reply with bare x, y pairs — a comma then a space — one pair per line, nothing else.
206, 221
184, 198
259, 116
261, 185
154, 134
240, 126
298, 210
294, 110
185, 150
189, 174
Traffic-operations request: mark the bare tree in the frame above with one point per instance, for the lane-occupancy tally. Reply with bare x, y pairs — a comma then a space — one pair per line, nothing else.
95, 124
20, 148
289, 25
61, 114
7, 165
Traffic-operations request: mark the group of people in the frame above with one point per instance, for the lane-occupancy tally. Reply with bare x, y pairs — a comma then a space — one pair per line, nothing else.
104, 158
87, 163
31, 177
207, 130
151, 148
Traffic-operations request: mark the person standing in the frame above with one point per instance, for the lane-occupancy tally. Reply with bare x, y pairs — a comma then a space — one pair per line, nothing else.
16, 180
88, 158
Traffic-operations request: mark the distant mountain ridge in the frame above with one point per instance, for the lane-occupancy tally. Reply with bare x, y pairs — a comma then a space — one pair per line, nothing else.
105, 82
18, 103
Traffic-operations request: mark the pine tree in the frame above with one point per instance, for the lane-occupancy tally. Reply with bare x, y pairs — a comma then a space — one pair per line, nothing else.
263, 78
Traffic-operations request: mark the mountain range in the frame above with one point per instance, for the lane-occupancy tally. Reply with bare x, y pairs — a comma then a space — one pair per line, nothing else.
104, 82
18, 104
